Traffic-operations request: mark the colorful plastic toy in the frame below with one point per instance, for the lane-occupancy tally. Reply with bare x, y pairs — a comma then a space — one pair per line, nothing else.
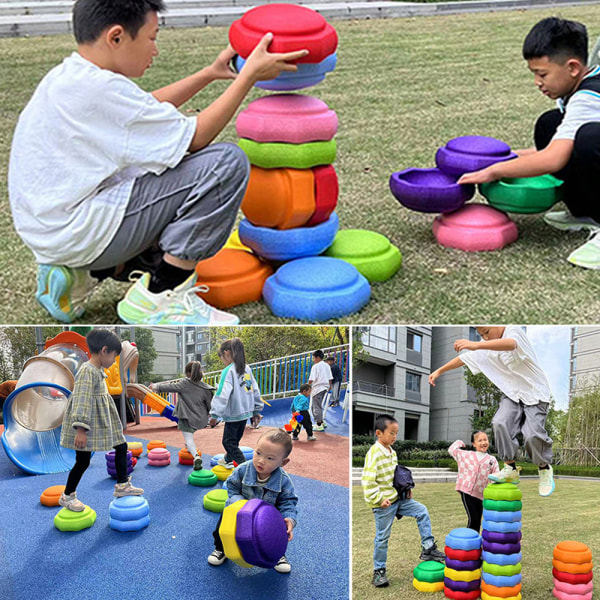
502, 527
574, 578
573, 552
371, 253
429, 571
495, 548
155, 444
473, 595
274, 155
463, 565
288, 244
424, 586
235, 242
573, 568
67, 520
502, 505
485, 596
293, 423
129, 513
525, 195
136, 448
326, 193
50, 496
227, 531
185, 458
503, 570
429, 190
221, 472
464, 555
233, 277
294, 28
463, 538
475, 228
501, 559
500, 592
501, 580
462, 586
501, 538
565, 596
462, 575
289, 118
471, 153
159, 457
111, 466
573, 588
502, 516
202, 478
316, 289
215, 500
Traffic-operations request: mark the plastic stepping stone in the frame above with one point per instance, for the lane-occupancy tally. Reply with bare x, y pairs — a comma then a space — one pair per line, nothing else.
462, 586
129, 513
501, 559
502, 526
526, 195
463, 555
371, 253
293, 27
261, 533
462, 575
574, 578
215, 500
68, 520
573, 552
475, 228
573, 588
500, 592
159, 457
565, 596
501, 538
429, 190
202, 478
501, 580
316, 289
470, 153
50, 496
502, 505
495, 548
289, 118
233, 277
472, 595
503, 570
306, 76
280, 198
424, 586
275, 155
288, 244
185, 457
485, 596
227, 531
497, 515
248, 454
235, 242
463, 565
136, 448
155, 444
429, 571
111, 466
573, 568
463, 538
221, 472
326, 193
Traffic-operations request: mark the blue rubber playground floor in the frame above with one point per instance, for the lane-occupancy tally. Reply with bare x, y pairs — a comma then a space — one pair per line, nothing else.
166, 560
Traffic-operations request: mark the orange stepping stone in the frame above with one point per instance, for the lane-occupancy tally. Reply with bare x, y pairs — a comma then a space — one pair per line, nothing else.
155, 444
326, 194
500, 592
186, 458
233, 277
573, 568
572, 552
136, 448
279, 198
51, 495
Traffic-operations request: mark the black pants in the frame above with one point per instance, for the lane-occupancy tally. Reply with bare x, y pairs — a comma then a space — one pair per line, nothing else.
474, 509
581, 175
232, 434
82, 462
306, 423
217, 537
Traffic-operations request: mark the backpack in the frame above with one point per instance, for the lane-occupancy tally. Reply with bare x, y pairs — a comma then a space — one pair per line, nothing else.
403, 481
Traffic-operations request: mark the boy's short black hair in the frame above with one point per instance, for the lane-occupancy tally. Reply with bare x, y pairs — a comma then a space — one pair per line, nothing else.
305, 387
280, 437
382, 422
318, 354
558, 39
92, 17
97, 339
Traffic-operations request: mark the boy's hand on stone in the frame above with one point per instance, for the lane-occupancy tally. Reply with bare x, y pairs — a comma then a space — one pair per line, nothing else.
289, 524
262, 65
465, 345
220, 68
385, 503
81, 439
483, 176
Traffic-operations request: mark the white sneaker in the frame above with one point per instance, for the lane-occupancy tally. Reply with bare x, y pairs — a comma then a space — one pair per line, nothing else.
216, 558
318, 428
224, 463
546, 481
565, 221
283, 566
197, 462
71, 502
506, 475
587, 255
176, 307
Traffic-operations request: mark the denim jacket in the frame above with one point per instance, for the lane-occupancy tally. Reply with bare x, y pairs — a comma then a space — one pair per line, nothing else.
279, 491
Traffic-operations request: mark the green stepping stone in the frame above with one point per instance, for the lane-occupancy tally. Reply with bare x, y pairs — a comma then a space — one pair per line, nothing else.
202, 478
215, 500
523, 194
503, 505
275, 155
371, 253
502, 491
67, 520
430, 571
501, 570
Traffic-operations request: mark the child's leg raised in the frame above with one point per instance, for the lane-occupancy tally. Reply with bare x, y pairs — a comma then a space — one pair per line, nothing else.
69, 498
232, 434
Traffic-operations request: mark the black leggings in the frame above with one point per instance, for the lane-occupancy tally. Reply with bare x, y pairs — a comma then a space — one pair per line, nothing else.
232, 434
82, 462
474, 509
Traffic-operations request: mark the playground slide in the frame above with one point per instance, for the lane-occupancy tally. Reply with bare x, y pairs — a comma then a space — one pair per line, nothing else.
154, 401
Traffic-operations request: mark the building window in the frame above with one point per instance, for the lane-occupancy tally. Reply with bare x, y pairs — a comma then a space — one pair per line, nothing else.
414, 341
190, 337
413, 382
380, 337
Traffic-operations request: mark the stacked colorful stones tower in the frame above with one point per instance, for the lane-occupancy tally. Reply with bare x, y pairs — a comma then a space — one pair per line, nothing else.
501, 532
462, 575
572, 571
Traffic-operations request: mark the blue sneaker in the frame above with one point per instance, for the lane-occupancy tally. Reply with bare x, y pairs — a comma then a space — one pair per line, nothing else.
62, 291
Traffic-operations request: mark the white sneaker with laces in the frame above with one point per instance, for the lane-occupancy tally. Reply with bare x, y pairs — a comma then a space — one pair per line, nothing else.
565, 221
546, 481
283, 566
71, 502
506, 475
216, 558
224, 463
587, 255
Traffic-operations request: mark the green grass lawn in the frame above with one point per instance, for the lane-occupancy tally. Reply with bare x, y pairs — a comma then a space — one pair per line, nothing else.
402, 88
570, 513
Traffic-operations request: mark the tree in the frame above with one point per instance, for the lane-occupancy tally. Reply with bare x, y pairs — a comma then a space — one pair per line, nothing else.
144, 340
487, 398
18, 344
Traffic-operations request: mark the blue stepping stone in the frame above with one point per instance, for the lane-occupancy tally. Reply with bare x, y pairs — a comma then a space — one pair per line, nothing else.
246, 451
501, 580
129, 513
502, 516
288, 244
463, 539
501, 527
317, 288
501, 559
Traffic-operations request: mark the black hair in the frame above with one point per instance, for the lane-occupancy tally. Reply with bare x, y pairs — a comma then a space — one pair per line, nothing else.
97, 339
193, 370
558, 39
330, 357
92, 17
382, 422
475, 434
305, 387
236, 348
318, 354
279, 436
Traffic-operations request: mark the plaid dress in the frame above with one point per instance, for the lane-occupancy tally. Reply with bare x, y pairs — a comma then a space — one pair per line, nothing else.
91, 406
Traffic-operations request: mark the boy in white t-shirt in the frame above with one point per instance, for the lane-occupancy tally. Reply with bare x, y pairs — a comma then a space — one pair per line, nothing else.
507, 358
100, 179
320, 379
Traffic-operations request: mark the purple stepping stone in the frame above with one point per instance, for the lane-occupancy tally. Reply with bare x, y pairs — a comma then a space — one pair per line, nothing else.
501, 538
261, 533
429, 190
462, 586
501, 548
463, 565
479, 144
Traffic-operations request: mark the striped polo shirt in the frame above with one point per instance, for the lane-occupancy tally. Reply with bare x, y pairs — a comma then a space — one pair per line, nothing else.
378, 475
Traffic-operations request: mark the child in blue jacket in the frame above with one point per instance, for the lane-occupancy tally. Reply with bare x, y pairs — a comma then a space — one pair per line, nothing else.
301, 404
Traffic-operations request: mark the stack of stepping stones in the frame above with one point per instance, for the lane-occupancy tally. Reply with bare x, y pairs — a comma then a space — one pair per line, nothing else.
110, 463
429, 576
462, 575
501, 532
129, 513
159, 457
572, 571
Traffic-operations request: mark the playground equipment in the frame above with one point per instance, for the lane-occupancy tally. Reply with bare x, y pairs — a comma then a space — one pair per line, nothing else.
67, 520
110, 463
185, 457
136, 448
129, 513
155, 444
202, 478
296, 418
572, 571
221, 472
34, 411
159, 457
428, 576
462, 573
246, 451
146, 396
215, 500
50, 496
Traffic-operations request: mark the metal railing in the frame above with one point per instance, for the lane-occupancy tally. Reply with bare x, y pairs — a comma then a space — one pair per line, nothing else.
379, 389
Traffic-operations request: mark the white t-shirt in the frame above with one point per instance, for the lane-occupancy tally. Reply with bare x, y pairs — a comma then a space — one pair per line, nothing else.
320, 374
515, 372
79, 144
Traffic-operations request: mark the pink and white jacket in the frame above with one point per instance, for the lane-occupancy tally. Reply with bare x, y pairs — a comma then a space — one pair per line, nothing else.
472, 471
